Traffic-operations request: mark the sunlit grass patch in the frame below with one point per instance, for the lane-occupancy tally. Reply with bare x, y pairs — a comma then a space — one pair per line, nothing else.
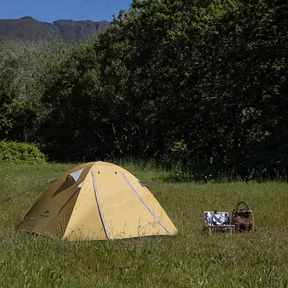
189, 259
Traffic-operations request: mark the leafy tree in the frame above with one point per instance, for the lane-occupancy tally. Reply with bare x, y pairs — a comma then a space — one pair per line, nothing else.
198, 82
24, 67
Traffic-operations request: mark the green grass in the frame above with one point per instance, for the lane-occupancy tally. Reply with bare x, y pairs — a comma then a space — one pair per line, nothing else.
190, 259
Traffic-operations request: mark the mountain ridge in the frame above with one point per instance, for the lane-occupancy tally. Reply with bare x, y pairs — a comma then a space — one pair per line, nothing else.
29, 29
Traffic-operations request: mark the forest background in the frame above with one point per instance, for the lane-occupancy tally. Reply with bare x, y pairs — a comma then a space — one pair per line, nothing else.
183, 83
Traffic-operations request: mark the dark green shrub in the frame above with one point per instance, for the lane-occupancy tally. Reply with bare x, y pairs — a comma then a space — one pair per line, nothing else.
16, 152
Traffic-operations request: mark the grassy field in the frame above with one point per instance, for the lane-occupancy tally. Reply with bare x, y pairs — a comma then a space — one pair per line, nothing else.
190, 259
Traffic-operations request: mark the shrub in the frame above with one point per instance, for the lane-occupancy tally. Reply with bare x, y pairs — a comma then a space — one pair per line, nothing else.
16, 152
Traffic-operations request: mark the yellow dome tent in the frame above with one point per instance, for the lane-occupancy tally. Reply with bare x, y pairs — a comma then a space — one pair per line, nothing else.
97, 201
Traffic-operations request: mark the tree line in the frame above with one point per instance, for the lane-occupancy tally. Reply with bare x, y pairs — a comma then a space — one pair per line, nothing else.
198, 82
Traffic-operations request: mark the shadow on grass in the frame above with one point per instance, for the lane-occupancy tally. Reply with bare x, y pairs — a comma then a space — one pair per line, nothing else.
206, 175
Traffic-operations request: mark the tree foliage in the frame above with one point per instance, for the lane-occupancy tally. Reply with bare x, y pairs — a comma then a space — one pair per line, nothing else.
205, 75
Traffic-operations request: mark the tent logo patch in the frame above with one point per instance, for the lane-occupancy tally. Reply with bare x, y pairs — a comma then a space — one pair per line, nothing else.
45, 214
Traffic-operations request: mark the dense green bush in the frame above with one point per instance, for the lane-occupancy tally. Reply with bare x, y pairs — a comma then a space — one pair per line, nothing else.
16, 152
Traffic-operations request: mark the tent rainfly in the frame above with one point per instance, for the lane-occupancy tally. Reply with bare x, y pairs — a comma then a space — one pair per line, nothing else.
97, 201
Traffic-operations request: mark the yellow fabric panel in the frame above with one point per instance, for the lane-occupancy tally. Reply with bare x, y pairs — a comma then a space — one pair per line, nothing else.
45, 211
125, 215
47, 207
151, 201
85, 222
57, 226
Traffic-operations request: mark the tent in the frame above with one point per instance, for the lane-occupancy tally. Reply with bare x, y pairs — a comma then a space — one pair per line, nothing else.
97, 201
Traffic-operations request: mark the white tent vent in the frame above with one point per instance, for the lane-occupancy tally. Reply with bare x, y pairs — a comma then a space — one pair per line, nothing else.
75, 175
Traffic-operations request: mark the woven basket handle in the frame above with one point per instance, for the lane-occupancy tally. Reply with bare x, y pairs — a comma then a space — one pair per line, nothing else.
238, 205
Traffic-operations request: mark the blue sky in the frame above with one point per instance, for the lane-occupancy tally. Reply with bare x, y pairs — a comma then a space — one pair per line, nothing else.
51, 10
